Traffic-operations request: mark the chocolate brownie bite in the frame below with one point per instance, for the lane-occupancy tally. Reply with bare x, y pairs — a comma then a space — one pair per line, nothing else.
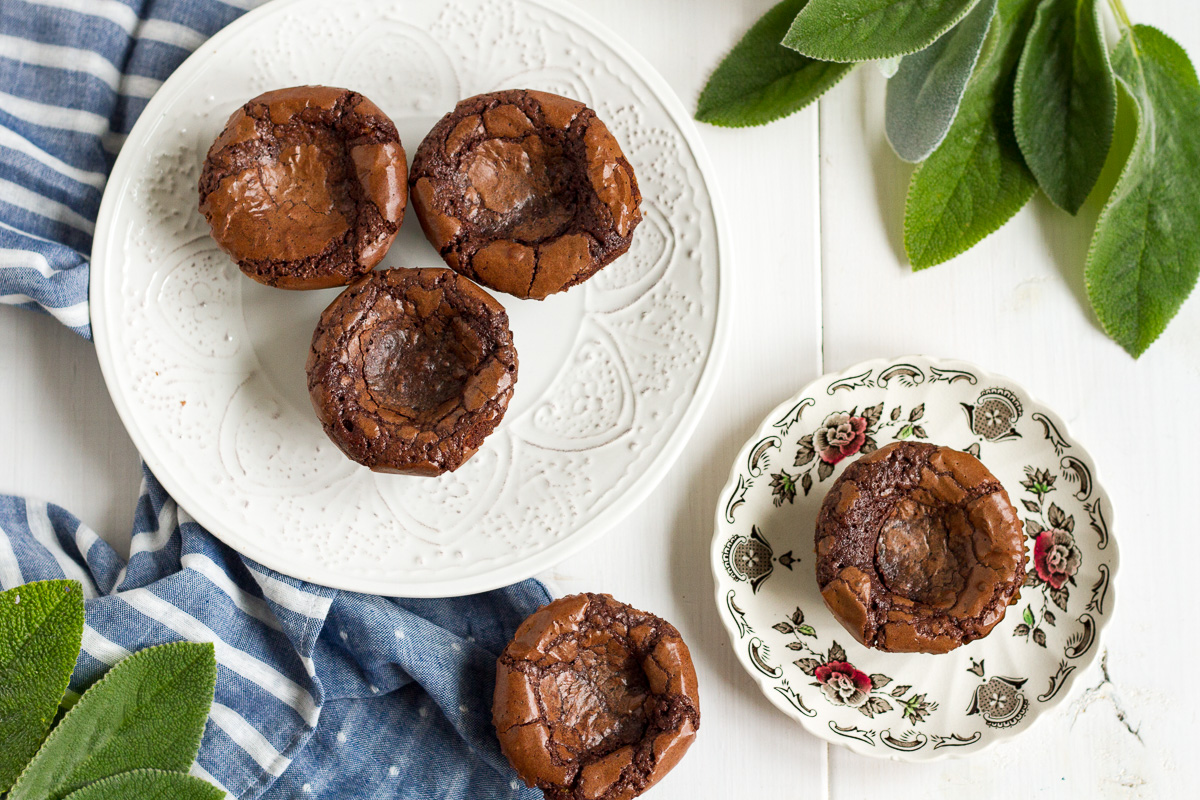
411, 369
526, 192
918, 549
306, 187
595, 700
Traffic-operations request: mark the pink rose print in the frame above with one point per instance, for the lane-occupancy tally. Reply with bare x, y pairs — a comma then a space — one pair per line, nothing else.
1055, 556
843, 684
839, 436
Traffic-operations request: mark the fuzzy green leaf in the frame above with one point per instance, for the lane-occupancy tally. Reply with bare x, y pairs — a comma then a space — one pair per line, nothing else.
1066, 101
149, 784
147, 712
1145, 254
41, 627
923, 96
869, 30
761, 81
976, 180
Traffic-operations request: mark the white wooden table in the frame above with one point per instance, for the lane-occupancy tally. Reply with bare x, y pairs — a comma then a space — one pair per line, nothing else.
815, 205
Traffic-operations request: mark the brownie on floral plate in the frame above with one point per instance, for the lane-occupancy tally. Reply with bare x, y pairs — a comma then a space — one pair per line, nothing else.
912, 705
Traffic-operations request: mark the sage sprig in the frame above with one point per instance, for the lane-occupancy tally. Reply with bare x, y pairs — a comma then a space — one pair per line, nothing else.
1145, 255
134, 733
869, 30
976, 180
762, 80
1066, 100
924, 94
40, 631
996, 99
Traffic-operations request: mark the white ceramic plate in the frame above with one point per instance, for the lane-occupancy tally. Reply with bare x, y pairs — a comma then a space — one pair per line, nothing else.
207, 368
914, 707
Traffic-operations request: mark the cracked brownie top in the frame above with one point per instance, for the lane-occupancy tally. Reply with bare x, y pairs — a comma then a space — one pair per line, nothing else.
918, 549
594, 699
411, 369
306, 187
525, 192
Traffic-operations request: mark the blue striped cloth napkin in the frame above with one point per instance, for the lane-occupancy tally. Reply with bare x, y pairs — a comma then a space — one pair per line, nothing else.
320, 693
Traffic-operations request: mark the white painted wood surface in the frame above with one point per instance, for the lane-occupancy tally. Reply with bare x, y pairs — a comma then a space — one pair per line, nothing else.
815, 205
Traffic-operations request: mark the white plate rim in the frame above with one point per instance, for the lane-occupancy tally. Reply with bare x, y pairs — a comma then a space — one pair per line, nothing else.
718, 570
619, 506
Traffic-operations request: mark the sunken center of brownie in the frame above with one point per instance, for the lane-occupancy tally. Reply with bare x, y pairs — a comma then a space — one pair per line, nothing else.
518, 189
310, 185
417, 367
303, 193
924, 553
599, 704
413, 369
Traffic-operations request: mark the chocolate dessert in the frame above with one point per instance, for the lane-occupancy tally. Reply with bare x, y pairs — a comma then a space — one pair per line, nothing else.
918, 549
306, 187
594, 699
525, 192
411, 369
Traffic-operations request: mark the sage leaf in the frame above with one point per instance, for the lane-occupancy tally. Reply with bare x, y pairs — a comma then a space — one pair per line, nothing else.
761, 81
1145, 254
976, 180
871, 30
1066, 100
924, 94
147, 712
149, 784
41, 627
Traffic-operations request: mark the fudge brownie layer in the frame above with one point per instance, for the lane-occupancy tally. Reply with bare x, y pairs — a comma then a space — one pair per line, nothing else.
306, 187
918, 549
595, 700
526, 192
411, 369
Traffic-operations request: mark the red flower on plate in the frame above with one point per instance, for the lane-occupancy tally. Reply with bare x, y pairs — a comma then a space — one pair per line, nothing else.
843, 684
1055, 556
839, 436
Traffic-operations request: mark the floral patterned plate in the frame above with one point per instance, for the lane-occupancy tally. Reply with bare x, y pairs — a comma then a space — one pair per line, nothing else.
914, 707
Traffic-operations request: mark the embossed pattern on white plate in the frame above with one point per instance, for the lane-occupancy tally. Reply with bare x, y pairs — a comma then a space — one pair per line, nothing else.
611, 373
